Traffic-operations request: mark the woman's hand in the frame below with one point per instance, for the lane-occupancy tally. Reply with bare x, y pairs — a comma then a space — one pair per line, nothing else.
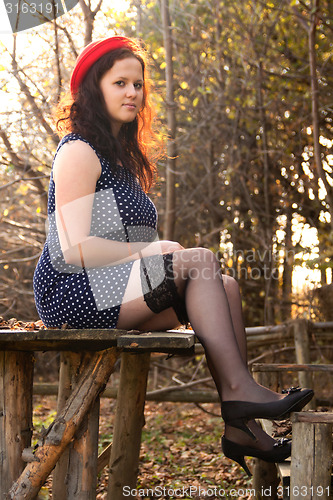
170, 246
157, 248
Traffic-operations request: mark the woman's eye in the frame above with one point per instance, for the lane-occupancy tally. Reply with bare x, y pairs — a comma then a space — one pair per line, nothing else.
138, 86
120, 83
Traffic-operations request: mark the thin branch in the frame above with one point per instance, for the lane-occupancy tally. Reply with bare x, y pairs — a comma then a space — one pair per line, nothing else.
180, 386
23, 259
35, 108
23, 179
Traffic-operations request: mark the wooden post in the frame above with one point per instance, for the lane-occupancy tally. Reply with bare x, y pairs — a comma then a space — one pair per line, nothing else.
82, 471
129, 420
16, 381
311, 458
265, 477
75, 474
59, 489
63, 428
83, 452
302, 351
265, 480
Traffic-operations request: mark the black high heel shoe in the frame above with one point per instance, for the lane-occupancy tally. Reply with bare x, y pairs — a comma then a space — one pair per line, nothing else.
238, 413
278, 453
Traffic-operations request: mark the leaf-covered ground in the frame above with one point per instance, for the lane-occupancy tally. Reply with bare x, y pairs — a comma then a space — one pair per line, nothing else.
180, 453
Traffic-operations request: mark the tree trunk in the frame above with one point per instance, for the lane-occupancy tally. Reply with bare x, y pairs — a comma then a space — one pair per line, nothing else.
315, 104
170, 209
288, 264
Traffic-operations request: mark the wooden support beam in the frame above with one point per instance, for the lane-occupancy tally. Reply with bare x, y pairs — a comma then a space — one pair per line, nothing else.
16, 378
129, 420
63, 428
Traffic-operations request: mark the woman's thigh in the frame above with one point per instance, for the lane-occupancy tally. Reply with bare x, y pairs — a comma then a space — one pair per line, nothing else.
134, 312
188, 263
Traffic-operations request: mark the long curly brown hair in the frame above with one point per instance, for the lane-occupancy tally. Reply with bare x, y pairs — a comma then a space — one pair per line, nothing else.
137, 145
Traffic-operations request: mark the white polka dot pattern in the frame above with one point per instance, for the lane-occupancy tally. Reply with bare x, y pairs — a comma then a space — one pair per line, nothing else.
91, 298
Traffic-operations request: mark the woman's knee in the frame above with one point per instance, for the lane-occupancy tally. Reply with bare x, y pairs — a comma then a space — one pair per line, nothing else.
197, 255
231, 285
196, 263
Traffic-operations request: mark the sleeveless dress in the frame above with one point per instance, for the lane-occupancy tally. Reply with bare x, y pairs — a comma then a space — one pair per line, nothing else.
91, 297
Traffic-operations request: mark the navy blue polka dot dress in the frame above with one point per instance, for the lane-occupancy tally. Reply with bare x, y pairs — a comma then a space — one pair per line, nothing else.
91, 298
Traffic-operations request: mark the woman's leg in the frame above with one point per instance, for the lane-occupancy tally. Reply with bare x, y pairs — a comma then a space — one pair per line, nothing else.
264, 441
217, 324
235, 304
197, 275
211, 318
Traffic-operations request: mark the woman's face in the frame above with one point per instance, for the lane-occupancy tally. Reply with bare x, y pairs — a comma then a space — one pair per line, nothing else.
122, 89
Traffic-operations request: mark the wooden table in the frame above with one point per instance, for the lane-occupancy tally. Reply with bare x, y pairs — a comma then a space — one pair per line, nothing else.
70, 443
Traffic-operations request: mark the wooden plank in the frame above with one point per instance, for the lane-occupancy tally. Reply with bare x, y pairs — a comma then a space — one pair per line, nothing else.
157, 341
94, 340
267, 330
315, 417
59, 340
328, 325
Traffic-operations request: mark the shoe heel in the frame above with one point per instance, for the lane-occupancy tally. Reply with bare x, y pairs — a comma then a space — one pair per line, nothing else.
241, 461
241, 424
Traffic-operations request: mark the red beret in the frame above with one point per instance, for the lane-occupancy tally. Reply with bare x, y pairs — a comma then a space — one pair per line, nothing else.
94, 51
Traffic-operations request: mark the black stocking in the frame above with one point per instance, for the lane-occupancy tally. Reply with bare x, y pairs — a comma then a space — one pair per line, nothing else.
220, 329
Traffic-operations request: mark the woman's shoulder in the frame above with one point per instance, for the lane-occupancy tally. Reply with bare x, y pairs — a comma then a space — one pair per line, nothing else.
76, 154
74, 138
74, 145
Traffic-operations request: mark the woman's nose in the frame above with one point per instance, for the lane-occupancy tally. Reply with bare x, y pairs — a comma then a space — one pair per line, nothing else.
131, 90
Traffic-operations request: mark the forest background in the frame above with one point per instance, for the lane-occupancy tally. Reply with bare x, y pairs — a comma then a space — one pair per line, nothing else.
244, 92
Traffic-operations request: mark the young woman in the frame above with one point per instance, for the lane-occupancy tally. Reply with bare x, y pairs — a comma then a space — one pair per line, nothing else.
102, 265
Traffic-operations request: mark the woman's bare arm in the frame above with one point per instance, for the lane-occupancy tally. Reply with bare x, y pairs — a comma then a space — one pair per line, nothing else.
76, 171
